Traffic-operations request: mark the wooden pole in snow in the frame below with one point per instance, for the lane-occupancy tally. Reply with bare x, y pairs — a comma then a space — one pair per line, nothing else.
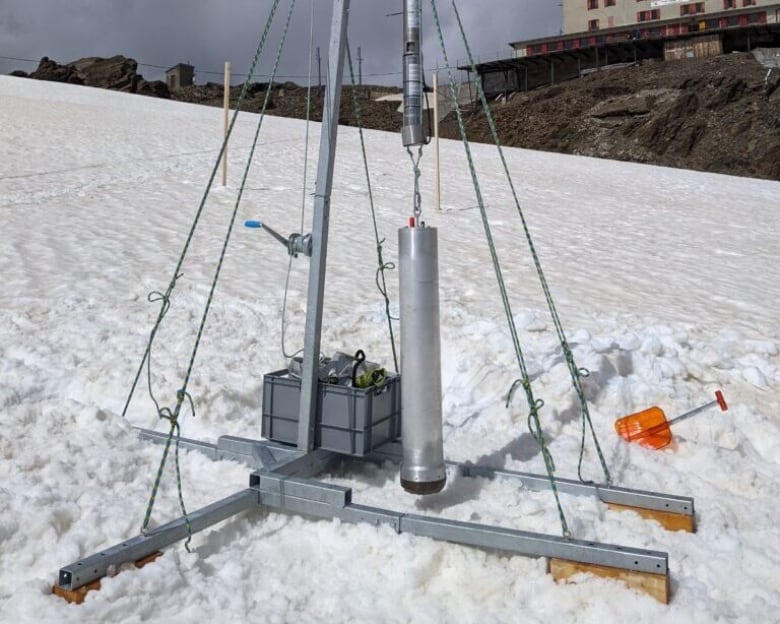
437, 183
227, 110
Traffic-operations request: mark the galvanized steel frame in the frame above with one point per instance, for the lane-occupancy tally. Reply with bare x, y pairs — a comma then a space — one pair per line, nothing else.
284, 483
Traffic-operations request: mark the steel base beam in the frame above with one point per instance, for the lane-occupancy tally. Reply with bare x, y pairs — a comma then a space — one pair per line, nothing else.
107, 562
644, 570
323, 500
674, 512
253, 453
610, 494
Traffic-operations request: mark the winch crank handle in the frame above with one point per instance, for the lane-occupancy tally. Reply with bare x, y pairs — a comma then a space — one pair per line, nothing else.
719, 400
260, 225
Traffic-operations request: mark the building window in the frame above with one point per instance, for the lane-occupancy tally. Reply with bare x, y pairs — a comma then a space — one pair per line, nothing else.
646, 16
593, 24
748, 3
692, 9
593, 4
729, 4
609, 3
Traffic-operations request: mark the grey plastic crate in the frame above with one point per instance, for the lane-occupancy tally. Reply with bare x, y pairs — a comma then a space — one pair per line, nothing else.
353, 421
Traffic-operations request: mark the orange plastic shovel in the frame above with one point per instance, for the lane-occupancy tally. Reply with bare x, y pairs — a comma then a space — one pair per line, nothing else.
650, 427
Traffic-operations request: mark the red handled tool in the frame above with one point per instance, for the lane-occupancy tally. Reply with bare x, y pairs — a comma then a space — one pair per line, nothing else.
650, 427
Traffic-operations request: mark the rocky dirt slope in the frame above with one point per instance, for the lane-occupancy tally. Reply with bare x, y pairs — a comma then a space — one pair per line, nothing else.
719, 114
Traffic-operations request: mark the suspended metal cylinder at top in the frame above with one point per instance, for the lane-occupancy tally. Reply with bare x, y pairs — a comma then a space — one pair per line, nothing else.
422, 468
412, 131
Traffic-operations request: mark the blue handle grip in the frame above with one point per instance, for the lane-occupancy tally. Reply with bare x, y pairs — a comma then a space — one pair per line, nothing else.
253, 224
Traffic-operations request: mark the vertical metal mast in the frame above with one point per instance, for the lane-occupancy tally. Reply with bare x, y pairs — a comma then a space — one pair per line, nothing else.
330, 124
413, 132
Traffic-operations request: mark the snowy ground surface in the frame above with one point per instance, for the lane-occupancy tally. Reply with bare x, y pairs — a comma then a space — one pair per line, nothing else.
667, 282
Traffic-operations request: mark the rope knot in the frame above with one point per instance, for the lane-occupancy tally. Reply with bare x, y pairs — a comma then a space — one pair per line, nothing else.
165, 413
515, 384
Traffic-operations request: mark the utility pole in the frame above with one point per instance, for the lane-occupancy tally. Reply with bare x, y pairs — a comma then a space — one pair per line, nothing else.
360, 66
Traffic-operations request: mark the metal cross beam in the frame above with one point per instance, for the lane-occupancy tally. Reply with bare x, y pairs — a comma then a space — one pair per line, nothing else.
323, 500
259, 454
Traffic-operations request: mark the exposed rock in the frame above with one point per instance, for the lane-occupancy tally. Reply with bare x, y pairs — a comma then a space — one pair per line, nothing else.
772, 160
627, 106
51, 70
117, 73
155, 88
771, 82
671, 129
19, 74
725, 93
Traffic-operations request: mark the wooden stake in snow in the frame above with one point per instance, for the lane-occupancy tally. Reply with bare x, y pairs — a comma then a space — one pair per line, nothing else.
227, 109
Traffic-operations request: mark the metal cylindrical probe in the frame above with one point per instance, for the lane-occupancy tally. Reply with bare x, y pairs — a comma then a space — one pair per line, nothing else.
422, 468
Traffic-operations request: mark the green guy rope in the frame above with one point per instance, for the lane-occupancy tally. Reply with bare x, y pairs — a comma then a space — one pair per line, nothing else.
576, 373
167, 413
165, 297
383, 266
533, 404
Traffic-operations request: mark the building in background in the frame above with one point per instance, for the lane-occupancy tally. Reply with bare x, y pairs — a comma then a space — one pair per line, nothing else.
600, 33
594, 15
179, 76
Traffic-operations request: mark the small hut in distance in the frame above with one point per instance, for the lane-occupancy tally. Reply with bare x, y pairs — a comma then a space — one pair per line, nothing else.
179, 76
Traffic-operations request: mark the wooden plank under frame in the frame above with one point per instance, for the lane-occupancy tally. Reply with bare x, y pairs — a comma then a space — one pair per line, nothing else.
76, 596
667, 519
656, 585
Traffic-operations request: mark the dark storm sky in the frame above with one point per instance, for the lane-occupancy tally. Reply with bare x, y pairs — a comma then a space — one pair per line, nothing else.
207, 33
